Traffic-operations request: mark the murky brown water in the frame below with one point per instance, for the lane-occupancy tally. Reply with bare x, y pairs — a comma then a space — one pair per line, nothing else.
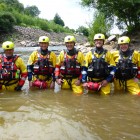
46, 115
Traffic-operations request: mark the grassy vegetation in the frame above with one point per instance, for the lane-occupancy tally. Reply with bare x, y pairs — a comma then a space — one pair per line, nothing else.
18, 16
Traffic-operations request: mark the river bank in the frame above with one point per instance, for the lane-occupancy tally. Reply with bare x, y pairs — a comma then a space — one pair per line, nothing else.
28, 37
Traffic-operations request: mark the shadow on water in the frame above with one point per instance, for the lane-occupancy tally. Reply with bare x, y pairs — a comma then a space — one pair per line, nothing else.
48, 115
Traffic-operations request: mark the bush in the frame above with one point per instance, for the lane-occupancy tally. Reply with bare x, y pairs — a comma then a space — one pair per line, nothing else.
99, 25
7, 21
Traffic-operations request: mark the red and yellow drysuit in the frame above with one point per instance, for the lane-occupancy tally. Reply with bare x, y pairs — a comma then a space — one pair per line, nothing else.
127, 69
13, 73
98, 67
41, 69
68, 68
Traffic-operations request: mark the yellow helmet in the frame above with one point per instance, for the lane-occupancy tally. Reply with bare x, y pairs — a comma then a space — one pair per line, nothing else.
69, 38
7, 45
44, 39
123, 40
99, 36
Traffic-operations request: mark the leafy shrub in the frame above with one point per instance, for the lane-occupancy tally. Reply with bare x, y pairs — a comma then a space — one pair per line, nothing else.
7, 21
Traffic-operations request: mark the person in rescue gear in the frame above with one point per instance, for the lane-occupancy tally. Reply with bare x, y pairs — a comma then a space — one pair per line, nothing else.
68, 66
41, 66
99, 67
127, 67
13, 72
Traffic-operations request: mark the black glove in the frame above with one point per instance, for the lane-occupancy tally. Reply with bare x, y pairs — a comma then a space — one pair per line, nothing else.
18, 88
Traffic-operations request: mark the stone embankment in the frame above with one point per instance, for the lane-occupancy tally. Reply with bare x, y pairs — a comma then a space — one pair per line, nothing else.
28, 37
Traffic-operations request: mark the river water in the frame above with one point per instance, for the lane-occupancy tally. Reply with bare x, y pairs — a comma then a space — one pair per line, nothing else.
51, 115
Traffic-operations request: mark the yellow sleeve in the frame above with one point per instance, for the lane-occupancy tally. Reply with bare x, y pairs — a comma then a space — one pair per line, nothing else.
136, 58
88, 59
80, 58
115, 55
109, 59
32, 58
53, 58
60, 58
21, 65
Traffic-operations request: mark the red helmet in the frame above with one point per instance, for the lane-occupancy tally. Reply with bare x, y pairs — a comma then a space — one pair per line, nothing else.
93, 86
40, 84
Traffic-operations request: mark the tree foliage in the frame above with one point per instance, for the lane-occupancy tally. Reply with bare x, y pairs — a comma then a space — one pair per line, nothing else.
7, 21
57, 19
12, 12
32, 11
100, 25
126, 11
83, 30
13, 4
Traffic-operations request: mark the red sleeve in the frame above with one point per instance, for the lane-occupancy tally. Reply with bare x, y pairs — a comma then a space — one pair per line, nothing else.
57, 71
80, 77
23, 78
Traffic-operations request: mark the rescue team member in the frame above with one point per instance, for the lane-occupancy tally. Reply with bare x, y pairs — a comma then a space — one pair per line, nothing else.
68, 67
13, 72
41, 65
127, 67
99, 67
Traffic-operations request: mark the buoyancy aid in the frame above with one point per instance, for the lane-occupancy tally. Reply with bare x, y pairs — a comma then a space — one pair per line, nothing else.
70, 67
43, 66
8, 68
125, 69
98, 68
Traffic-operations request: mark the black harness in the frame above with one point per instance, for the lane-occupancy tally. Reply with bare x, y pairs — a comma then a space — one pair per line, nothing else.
43, 67
98, 68
71, 67
125, 69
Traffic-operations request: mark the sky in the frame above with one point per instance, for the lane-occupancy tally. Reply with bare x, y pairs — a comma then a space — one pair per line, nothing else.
70, 11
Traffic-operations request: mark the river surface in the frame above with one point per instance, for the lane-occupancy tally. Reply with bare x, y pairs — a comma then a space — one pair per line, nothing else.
61, 115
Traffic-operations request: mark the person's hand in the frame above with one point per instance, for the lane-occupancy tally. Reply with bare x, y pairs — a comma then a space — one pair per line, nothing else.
52, 85
85, 85
104, 83
136, 80
30, 83
59, 81
77, 82
18, 88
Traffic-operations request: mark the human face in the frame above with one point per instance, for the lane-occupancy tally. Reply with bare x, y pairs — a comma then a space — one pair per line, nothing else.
44, 45
124, 47
70, 45
9, 52
99, 42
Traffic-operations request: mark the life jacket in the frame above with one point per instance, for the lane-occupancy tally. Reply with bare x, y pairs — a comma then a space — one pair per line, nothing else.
70, 67
43, 66
8, 68
98, 68
125, 69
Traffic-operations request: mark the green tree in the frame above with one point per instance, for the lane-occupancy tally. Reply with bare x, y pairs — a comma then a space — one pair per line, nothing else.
99, 25
83, 30
32, 11
7, 21
3, 7
13, 4
126, 11
57, 19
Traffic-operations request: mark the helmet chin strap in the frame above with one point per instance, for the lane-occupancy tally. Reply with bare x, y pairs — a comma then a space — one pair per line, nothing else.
8, 57
126, 53
99, 50
44, 52
71, 52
